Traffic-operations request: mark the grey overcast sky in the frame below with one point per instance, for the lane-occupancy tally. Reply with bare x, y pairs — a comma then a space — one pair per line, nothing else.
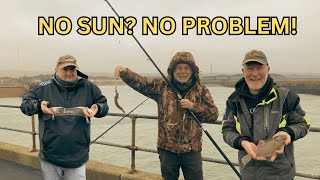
22, 47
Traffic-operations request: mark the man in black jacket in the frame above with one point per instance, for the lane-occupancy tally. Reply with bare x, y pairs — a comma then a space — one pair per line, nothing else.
64, 119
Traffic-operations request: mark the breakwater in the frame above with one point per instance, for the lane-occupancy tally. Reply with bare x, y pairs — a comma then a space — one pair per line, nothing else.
10, 91
298, 86
94, 170
301, 86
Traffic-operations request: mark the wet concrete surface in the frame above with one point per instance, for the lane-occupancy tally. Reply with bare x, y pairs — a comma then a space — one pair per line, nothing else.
13, 171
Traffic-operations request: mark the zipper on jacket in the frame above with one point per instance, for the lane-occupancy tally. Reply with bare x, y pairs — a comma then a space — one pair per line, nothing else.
266, 117
183, 138
182, 135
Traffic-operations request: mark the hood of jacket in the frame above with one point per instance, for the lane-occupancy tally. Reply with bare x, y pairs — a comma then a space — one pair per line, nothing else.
185, 58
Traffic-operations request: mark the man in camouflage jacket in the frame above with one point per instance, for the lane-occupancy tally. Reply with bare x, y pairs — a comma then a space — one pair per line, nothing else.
179, 135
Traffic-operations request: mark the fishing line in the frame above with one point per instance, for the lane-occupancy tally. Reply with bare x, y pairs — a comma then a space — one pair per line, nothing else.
179, 96
126, 115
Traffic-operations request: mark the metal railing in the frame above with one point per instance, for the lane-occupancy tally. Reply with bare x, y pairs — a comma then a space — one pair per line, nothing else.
133, 148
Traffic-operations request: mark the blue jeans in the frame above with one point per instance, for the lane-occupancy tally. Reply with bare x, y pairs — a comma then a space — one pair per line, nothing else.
53, 172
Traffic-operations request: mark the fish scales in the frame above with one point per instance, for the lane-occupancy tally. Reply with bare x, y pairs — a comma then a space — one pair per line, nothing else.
266, 149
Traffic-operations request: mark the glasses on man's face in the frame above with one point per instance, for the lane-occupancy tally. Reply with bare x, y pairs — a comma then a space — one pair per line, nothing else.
69, 68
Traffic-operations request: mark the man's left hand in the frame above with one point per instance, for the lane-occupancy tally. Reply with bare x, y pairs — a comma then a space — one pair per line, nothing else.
92, 111
283, 133
286, 142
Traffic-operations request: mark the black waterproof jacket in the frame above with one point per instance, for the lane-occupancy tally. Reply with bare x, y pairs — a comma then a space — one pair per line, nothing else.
64, 140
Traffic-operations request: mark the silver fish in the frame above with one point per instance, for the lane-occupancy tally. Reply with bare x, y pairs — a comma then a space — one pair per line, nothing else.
76, 111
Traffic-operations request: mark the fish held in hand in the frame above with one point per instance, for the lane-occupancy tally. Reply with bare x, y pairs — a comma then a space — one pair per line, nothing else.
266, 149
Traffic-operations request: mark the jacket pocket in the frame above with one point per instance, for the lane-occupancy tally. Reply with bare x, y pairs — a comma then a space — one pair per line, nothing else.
66, 135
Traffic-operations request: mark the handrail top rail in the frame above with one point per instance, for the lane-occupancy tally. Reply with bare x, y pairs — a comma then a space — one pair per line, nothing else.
312, 129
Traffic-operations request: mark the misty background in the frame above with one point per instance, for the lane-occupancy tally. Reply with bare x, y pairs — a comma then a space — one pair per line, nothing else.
24, 52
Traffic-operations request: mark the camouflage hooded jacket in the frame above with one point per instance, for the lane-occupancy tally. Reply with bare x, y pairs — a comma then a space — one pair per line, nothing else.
178, 132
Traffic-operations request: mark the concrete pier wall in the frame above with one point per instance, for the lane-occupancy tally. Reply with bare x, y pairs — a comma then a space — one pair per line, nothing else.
95, 170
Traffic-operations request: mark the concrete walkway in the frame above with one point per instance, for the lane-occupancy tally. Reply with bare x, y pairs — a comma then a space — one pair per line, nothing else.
12, 171
10, 153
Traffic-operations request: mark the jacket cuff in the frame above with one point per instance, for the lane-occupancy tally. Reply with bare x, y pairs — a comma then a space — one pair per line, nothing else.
123, 73
37, 105
289, 131
238, 140
99, 109
197, 110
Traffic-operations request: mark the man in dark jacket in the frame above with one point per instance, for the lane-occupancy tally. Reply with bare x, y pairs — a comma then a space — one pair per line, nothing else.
259, 110
179, 135
64, 119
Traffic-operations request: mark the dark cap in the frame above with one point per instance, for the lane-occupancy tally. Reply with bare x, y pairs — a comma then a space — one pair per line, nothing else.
66, 60
255, 56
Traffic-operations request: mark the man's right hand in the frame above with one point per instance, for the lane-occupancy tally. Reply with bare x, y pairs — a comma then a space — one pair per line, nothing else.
117, 71
250, 148
45, 109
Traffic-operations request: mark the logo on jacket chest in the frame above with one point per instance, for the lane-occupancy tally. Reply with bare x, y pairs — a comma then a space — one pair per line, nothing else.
272, 111
252, 110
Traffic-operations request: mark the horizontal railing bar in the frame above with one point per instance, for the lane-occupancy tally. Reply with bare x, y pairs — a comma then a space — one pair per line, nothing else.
16, 130
133, 115
312, 129
219, 161
155, 151
301, 174
9, 106
308, 175
146, 149
112, 144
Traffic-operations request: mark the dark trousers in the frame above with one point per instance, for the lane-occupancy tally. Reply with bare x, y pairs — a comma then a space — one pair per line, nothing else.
190, 163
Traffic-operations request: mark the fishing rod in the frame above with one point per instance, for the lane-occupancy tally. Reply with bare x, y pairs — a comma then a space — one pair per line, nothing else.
179, 97
118, 121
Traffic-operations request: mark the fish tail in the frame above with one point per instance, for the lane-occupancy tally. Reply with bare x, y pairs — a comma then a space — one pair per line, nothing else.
122, 110
246, 159
116, 97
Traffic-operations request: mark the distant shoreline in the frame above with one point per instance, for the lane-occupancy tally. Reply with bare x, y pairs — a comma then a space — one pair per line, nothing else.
300, 87
110, 83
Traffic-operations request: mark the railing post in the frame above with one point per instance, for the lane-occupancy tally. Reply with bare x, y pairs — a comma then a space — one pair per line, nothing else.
133, 144
34, 147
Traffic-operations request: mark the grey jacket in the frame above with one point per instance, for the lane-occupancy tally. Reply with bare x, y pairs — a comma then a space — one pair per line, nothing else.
278, 111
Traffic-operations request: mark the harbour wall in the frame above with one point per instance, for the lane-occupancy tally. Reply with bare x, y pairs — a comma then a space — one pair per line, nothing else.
301, 86
298, 86
94, 170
